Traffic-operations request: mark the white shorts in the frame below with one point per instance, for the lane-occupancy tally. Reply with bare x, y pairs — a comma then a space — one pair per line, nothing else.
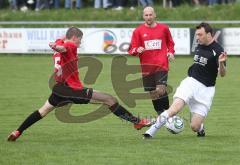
198, 96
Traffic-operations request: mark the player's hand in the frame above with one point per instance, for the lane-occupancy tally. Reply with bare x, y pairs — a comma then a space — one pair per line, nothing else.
52, 45
140, 50
170, 56
222, 57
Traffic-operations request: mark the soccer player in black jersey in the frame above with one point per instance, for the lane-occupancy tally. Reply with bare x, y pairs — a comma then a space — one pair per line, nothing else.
197, 90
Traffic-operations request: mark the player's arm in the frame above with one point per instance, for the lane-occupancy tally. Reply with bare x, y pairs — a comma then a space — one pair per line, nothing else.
170, 45
134, 48
222, 64
56, 47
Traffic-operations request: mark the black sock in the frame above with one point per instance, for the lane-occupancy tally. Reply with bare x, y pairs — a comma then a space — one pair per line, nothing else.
121, 112
161, 104
30, 120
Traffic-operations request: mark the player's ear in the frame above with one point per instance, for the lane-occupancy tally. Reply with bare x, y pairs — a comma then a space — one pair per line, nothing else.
209, 35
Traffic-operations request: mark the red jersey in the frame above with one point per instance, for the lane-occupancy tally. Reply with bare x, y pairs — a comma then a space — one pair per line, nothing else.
66, 65
157, 42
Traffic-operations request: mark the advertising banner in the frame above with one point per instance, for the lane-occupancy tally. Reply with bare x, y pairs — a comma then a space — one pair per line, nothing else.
12, 41
231, 40
95, 40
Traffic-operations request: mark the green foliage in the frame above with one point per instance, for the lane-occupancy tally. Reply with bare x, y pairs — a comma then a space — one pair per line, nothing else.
184, 12
24, 88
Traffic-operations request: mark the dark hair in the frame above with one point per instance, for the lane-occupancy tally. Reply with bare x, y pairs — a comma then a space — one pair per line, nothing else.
73, 31
206, 26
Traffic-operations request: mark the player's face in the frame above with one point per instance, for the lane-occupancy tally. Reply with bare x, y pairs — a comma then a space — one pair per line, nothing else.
149, 17
202, 37
77, 41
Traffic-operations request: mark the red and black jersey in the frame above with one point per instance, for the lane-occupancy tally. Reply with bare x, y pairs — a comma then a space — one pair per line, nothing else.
157, 42
66, 65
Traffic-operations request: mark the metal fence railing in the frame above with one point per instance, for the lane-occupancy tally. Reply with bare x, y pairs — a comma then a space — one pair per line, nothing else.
109, 22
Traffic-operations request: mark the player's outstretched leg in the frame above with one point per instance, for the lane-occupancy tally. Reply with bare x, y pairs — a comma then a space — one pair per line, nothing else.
13, 135
143, 123
161, 120
30, 120
119, 110
176, 106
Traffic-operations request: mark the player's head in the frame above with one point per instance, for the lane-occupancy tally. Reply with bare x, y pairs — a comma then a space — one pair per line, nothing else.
149, 16
204, 33
75, 35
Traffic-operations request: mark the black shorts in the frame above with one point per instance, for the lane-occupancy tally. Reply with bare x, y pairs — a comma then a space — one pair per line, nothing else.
152, 80
63, 94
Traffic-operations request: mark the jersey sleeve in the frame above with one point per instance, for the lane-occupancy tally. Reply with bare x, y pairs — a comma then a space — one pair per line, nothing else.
134, 44
59, 42
169, 41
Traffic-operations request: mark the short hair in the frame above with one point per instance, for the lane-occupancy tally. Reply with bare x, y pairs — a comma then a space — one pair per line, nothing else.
206, 26
149, 7
73, 31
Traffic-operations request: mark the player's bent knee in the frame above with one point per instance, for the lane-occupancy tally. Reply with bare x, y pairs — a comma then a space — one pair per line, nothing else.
161, 89
161, 92
195, 127
153, 95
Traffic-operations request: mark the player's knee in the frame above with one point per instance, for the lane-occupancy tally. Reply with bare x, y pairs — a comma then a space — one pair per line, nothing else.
161, 90
153, 95
110, 100
195, 127
42, 112
45, 109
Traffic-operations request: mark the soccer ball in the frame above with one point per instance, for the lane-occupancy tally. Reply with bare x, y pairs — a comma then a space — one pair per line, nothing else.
175, 124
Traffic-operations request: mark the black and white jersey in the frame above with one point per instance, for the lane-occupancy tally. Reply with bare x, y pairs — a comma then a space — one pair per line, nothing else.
205, 67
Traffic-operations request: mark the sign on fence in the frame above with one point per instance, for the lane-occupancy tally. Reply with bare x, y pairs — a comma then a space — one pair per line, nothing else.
103, 40
95, 40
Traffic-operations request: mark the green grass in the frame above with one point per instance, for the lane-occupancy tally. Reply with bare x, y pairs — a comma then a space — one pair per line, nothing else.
24, 88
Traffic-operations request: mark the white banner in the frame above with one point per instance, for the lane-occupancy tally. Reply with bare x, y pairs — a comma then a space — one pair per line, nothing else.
181, 37
12, 41
39, 38
231, 40
106, 40
95, 40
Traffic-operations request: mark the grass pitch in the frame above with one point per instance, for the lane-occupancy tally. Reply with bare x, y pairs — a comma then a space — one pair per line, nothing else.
109, 140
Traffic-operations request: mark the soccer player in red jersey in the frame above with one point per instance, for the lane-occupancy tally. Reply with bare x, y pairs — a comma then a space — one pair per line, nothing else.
153, 44
69, 89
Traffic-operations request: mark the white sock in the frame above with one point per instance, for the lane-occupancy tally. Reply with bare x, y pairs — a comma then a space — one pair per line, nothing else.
201, 128
161, 120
